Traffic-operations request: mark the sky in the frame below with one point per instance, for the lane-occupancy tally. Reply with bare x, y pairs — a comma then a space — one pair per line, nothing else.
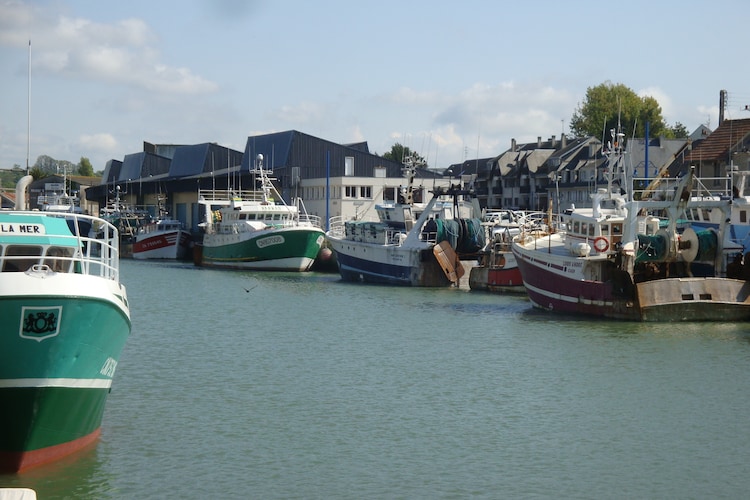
450, 80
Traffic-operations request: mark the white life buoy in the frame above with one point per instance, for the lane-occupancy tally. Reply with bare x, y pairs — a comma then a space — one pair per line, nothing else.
601, 244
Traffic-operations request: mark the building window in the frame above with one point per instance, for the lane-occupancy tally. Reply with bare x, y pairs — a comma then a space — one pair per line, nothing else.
349, 166
351, 192
365, 192
379, 173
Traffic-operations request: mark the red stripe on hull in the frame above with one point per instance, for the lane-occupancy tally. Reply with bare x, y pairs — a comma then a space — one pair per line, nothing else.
19, 461
551, 291
154, 243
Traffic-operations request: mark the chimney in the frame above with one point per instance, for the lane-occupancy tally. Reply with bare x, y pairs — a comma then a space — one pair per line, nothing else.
552, 142
722, 104
513, 145
539, 142
564, 140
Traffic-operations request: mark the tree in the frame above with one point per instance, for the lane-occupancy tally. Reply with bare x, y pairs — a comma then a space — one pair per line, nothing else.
38, 173
608, 104
399, 153
679, 131
85, 168
49, 165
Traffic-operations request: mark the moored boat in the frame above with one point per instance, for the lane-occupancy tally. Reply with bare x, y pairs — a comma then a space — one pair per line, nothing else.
739, 215
256, 230
162, 238
65, 319
632, 258
410, 244
496, 270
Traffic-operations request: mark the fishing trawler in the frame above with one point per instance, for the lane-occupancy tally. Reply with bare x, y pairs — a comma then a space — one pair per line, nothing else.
411, 244
634, 258
255, 229
496, 270
162, 238
65, 319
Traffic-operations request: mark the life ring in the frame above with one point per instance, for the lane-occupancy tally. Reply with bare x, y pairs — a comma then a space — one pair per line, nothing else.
601, 244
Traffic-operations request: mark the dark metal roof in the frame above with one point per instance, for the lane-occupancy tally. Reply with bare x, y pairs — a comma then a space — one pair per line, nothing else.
468, 167
112, 171
202, 159
143, 165
316, 158
209, 165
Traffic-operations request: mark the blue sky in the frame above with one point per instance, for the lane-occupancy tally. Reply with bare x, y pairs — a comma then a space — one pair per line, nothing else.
451, 80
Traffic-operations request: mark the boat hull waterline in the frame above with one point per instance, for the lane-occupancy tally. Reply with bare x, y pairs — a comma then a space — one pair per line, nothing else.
285, 249
386, 265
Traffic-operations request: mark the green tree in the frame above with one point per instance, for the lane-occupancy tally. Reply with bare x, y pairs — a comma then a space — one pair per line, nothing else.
679, 131
399, 153
49, 165
38, 172
85, 167
607, 104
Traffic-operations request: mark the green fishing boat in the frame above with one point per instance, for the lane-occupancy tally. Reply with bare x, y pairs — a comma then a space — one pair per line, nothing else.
65, 319
255, 229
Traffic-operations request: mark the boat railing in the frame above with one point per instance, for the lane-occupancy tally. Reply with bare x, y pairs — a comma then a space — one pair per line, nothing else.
336, 226
96, 253
160, 226
306, 219
703, 188
226, 195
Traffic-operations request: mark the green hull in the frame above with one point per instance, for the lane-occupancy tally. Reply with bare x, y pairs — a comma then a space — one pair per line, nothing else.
34, 418
58, 356
289, 249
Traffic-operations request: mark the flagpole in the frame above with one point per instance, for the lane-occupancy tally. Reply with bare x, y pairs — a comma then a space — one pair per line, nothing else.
28, 118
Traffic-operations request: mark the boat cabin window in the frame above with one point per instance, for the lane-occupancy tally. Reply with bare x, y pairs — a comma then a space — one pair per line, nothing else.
576, 227
617, 229
19, 258
743, 216
59, 258
592, 230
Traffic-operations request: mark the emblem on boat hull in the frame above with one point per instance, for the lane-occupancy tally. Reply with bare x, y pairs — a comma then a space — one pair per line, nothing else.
39, 323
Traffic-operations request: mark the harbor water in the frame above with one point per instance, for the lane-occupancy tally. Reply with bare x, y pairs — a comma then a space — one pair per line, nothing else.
268, 385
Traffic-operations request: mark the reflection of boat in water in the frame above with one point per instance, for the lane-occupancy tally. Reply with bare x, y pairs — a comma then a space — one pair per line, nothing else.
497, 270
162, 238
631, 258
65, 319
411, 244
255, 229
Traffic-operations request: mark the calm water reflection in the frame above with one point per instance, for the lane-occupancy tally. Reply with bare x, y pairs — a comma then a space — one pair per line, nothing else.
307, 387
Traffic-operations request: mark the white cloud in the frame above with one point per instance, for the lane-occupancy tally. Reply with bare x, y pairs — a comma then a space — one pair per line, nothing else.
482, 119
102, 142
667, 107
304, 113
124, 52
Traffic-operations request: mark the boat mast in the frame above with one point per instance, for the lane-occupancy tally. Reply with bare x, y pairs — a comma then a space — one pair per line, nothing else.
28, 118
